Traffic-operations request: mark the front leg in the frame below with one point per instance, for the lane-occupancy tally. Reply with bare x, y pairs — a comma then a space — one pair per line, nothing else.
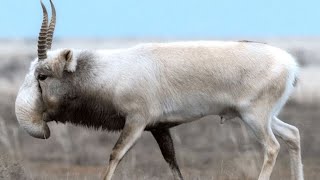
131, 132
164, 140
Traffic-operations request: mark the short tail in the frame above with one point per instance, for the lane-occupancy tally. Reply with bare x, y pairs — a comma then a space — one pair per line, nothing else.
292, 81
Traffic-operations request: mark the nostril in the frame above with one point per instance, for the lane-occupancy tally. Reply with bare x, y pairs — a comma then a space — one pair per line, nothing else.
45, 117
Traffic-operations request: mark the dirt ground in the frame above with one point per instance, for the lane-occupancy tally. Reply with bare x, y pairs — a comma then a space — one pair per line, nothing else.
205, 149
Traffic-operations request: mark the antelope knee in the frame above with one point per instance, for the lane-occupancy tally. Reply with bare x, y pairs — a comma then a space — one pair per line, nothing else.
114, 156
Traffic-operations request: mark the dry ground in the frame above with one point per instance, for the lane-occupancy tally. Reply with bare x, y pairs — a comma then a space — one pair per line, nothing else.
205, 149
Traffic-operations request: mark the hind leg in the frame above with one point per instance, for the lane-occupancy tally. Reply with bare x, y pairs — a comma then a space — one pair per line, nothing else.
259, 121
291, 137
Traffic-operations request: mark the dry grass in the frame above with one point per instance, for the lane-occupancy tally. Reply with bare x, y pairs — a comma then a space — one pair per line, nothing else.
205, 149
11, 169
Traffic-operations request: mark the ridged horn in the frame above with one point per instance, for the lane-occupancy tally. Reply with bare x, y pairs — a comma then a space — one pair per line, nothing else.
51, 26
42, 39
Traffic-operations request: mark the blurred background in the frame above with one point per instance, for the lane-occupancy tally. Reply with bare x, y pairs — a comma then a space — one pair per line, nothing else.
205, 149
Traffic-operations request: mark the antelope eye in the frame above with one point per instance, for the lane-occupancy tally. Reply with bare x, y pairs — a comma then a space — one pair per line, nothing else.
42, 77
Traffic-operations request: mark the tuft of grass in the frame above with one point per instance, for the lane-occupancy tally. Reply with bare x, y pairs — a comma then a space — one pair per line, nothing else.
11, 169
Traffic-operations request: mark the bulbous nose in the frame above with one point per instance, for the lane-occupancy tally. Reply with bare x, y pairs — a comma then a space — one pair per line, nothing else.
29, 109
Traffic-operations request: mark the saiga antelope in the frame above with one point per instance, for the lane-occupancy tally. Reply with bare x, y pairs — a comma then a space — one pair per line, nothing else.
153, 87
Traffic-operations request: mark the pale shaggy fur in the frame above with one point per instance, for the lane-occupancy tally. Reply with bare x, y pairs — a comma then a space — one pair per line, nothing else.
174, 83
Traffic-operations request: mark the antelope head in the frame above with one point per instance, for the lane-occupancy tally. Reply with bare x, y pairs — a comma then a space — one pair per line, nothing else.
30, 102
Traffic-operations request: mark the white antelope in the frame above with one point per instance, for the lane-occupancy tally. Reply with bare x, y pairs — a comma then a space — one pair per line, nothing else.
153, 87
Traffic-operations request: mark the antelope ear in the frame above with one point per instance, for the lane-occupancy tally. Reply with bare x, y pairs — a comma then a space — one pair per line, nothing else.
71, 63
67, 54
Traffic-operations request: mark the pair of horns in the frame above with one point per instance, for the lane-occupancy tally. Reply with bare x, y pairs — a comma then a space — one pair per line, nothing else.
46, 32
